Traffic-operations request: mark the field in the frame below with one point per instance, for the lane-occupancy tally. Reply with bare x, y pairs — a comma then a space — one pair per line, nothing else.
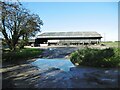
111, 44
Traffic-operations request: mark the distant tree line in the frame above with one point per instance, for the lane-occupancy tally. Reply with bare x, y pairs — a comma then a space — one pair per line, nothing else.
17, 22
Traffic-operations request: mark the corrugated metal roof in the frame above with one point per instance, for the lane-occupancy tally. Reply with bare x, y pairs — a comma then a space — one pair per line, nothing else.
69, 34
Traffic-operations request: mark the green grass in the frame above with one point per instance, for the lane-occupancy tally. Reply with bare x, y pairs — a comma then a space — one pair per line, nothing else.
111, 44
20, 54
96, 57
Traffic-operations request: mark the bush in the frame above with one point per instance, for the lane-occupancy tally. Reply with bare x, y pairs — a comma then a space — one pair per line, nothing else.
96, 57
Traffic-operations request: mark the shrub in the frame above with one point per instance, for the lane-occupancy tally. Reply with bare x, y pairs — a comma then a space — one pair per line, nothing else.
96, 57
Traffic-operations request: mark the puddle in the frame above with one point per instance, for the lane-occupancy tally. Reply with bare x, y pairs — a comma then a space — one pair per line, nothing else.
46, 64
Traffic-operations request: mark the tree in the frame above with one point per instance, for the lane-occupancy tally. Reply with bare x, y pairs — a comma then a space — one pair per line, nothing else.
17, 22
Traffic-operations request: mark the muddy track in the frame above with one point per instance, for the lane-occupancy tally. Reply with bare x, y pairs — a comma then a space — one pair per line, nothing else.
60, 52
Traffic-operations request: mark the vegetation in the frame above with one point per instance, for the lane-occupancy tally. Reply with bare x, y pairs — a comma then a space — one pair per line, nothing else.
17, 22
20, 54
111, 44
109, 57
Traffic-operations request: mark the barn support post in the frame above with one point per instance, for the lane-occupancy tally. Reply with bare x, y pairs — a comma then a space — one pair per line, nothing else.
89, 42
83, 43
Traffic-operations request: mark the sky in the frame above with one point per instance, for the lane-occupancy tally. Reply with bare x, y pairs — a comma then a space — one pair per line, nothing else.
101, 17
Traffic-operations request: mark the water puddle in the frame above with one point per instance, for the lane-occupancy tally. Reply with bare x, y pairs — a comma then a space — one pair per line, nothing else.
46, 64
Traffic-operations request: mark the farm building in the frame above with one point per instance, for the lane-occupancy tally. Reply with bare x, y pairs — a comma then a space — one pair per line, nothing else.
67, 38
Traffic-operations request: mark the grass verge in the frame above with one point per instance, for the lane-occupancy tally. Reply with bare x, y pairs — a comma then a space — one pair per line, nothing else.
20, 54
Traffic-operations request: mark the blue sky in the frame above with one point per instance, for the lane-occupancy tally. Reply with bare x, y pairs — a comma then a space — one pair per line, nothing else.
78, 16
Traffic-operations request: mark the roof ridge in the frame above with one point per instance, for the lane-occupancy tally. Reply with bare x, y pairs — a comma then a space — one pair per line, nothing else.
69, 31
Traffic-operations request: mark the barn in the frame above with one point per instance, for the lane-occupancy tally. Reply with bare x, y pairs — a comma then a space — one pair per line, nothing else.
67, 38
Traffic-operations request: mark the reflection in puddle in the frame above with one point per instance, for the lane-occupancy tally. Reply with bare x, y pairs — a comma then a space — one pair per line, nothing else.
45, 64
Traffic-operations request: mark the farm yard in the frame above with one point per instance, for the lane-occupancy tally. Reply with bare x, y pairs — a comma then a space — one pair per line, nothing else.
45, 73
59, 45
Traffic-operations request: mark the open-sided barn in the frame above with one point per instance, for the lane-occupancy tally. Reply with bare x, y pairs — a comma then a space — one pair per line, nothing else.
67, 38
